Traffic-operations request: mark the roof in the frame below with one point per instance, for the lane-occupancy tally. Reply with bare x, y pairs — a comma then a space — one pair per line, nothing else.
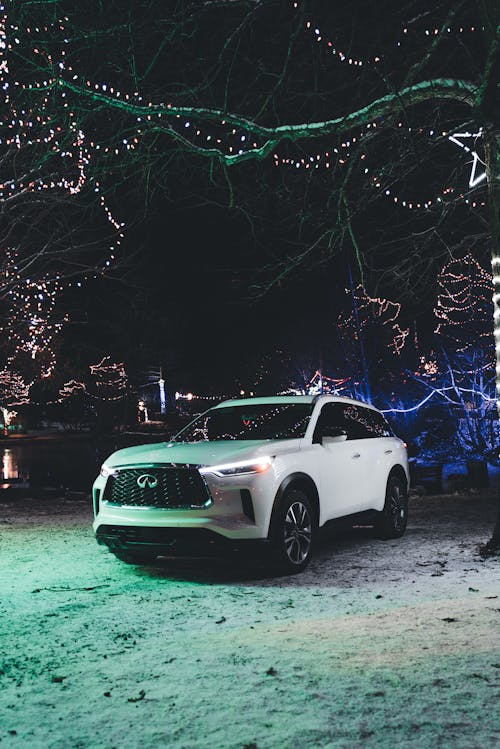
290, 399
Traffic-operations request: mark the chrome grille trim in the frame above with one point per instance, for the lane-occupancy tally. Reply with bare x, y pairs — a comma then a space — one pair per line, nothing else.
179, 486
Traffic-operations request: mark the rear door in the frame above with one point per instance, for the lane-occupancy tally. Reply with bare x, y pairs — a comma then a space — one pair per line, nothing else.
382, 453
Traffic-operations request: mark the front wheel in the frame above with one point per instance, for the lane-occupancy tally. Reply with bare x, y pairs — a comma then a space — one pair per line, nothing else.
394, 517
292, 532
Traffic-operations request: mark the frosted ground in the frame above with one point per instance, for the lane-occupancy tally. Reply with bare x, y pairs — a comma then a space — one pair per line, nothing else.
377, 644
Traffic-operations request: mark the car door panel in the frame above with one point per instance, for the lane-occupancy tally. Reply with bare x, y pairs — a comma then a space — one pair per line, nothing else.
342, 471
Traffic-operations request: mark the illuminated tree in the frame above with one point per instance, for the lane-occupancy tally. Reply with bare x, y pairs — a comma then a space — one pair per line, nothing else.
29, 324
371, 337
109, 380
55, 223
463, 389
74, 400
108, 388
462, 368
13, 392
463, 309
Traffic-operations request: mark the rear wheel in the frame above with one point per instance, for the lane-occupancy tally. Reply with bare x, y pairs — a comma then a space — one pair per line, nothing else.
292, 532
134, 557
394, 517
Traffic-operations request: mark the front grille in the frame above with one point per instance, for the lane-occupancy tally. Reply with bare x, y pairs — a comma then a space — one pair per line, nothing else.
175, 487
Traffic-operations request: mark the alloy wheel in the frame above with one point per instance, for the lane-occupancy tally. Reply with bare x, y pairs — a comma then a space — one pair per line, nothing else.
297, 533
397, 507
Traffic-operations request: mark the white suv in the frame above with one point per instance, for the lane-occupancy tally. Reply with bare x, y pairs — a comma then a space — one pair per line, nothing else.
269, 469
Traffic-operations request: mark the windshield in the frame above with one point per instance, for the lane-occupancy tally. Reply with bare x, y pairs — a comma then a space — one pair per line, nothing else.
261, 421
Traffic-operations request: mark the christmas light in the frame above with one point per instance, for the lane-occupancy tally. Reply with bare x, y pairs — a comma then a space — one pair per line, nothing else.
13, 392
339, 155
68, 152
458, 139
31, 324
110, 380
340, 53
371, 310
463, 307
73, 387
442, 392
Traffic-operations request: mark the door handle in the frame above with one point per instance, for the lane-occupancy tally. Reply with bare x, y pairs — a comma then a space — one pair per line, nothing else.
387, 452
356, 455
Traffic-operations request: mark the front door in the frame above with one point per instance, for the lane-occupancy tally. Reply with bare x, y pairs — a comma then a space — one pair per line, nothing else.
343, 466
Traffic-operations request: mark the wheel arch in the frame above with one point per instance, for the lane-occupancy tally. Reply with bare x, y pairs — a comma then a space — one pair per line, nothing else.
400, 472
297, 480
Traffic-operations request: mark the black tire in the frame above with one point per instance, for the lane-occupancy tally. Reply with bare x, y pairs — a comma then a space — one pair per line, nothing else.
134, 557
292, 533
392, 521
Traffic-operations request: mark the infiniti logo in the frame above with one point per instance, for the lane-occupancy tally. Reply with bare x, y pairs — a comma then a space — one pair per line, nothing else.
147, 481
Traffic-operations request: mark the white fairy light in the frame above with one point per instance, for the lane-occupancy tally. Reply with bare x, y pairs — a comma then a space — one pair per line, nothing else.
457, 139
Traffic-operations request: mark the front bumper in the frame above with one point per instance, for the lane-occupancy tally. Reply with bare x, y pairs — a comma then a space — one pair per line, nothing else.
164, 541
239, 509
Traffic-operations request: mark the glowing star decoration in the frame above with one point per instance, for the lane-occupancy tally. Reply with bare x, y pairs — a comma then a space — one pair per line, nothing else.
458, 138
340, 154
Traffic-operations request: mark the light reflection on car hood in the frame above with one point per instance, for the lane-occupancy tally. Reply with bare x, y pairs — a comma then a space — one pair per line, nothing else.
200, 453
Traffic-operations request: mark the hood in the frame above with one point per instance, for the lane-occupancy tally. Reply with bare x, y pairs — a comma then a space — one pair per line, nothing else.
199, 453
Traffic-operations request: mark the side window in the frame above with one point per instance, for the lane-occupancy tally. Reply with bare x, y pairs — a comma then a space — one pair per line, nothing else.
331, 416
358, 422
380, 426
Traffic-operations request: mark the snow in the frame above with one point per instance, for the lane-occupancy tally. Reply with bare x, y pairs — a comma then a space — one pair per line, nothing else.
376, 644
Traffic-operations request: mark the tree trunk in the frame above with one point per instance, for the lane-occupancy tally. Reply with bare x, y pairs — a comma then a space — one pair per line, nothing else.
5, 412
492, 153
365, 376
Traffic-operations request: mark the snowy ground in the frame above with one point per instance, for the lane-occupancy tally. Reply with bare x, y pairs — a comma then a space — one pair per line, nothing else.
377, 644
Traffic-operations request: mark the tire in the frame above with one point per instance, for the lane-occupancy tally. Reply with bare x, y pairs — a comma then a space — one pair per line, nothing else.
134, 557
292, 532
392, 520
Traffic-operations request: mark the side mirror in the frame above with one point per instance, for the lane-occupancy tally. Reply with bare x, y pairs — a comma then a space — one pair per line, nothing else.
328, 440
329, 433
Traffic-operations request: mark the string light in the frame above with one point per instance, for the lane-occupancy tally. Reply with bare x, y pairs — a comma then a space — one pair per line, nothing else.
443, 393
70, 389
110, 380
340, 53
221, 137
339, 155
464, 300
25, 126
13, 392
31, 325
371, 310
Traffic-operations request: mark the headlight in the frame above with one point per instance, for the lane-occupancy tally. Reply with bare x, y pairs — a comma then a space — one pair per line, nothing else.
257, 465
107, 471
